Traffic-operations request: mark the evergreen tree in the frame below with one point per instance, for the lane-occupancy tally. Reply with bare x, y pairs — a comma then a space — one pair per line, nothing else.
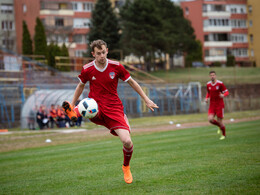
27, 41
104, 25
64, 52
52, 51
40, 43
231, 60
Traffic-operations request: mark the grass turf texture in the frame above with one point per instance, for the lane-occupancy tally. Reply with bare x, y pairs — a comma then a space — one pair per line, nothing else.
228, 75
190, 161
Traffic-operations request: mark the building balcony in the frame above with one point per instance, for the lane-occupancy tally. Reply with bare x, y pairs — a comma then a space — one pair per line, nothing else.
222, 14
218, 44
57, 12
217, 29
215, 58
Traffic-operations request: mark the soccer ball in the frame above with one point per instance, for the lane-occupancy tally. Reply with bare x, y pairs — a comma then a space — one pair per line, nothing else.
88, 108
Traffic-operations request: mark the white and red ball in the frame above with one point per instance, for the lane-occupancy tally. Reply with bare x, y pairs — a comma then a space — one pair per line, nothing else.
88, 108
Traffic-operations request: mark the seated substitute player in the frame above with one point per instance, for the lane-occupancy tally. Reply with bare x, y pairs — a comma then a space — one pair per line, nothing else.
103, 75
216, 91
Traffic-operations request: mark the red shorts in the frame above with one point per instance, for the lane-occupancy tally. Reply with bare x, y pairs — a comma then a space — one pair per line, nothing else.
117, 121
216, 110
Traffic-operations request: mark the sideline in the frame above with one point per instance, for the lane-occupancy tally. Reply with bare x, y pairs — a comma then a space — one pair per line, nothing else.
29, 139
172, 127
46, 131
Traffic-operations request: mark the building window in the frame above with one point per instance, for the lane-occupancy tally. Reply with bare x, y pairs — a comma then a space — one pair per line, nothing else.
7, 8
79, 53
8, 43
206, 23
206, 37
217, 37
250, 9
24, 8
217, 52
250, 23
251, 38
218, 22
88, 7
81, 23
63, 6
207, 53
204, 8
252, 53
218, 8
75, 6
240, 52
59, 22
239, 38
236, 23
78, 38
187, 11
7, 25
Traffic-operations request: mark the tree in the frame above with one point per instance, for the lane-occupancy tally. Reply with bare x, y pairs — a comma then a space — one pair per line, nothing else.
139, 25
104, 25
27, 41
153, 28
64, 52
195, 55
40, 43
52, 51
231, 61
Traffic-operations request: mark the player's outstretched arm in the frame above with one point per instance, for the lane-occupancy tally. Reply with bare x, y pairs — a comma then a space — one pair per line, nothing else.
149, 103
77, 93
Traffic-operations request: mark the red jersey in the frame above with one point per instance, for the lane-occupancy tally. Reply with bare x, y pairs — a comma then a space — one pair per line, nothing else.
214, 90
103, 84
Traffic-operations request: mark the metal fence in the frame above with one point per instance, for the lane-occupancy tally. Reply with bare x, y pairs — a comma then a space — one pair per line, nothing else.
171, 99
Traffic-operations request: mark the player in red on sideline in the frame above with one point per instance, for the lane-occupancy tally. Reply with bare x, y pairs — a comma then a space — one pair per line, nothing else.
216, 91
103, 75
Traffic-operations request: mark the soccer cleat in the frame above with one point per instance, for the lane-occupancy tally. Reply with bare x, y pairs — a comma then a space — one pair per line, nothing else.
127, 174
219, 131
222, 137
69, 111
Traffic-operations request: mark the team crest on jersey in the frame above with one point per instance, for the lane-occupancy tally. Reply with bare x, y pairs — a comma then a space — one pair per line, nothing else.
112, 75
209, 87
217, 87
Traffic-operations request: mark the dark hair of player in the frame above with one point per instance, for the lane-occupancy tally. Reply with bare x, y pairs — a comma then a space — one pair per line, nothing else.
98, 44
212, 72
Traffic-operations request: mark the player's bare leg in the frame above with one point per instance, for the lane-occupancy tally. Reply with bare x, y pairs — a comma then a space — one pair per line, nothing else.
125, 138
212, 120
222, 128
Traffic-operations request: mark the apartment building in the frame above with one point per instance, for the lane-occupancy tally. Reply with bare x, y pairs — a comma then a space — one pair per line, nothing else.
7, 20
222, 28
28, 11
253, 8
81, 23
67, 21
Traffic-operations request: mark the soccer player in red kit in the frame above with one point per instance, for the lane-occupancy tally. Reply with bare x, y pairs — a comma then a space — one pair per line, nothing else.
216, 91
103, 75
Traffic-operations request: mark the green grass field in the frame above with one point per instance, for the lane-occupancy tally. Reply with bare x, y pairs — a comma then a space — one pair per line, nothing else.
189, 161
228, 75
